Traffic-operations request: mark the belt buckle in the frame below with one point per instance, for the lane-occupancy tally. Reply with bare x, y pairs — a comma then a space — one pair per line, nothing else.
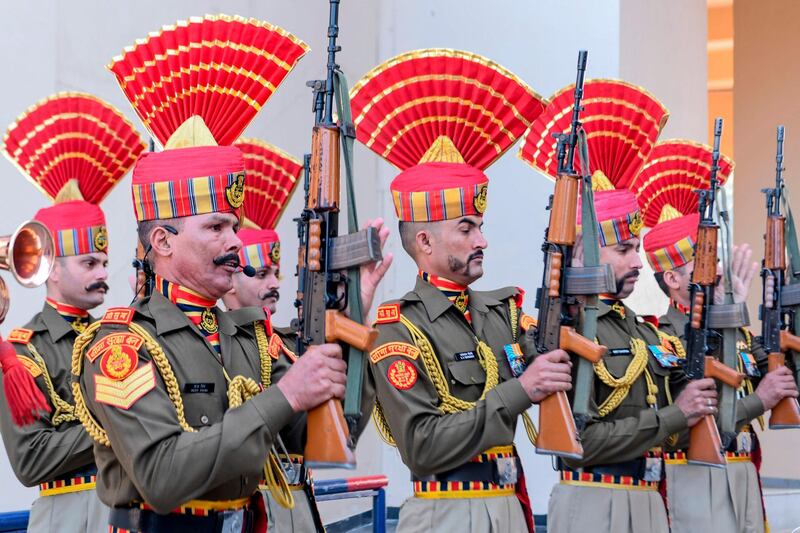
232, 521
652, 469
744, 442
293, 472
507, 470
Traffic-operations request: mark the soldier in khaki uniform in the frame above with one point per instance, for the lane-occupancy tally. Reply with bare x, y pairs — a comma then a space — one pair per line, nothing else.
254, 299
701, 497
166, 388
640, 396
449, 366
55, 452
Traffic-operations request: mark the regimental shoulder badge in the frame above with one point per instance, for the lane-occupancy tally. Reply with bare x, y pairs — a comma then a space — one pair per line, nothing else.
402, 374
118, 362
527, 322
480, 199
235, 191
130, 341
388, 314
20, 336
30, 365
123, 393
393, 348
118, 315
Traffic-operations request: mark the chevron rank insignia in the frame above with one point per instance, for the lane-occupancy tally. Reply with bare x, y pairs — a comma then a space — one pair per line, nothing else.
393, 348
31, 366
123, 393
20, 336
388, 313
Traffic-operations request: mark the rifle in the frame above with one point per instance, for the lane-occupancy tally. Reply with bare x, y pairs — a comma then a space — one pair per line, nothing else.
791, 293
328, 275
705, 444
555, 328
777, 309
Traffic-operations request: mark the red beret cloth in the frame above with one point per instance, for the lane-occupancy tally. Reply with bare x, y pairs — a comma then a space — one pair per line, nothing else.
442, 117
665, 190
77, 227
439, 191
618, 216
260, 248
188, 181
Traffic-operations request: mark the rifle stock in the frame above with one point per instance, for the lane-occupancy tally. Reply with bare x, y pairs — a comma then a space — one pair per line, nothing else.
328, 437
786, 414
705, 444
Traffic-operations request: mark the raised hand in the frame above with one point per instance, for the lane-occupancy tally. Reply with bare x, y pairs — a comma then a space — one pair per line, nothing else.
372, 273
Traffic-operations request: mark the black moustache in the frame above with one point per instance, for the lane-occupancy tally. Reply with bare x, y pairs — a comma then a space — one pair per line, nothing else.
272, 294
476, 255
228, 258
97, 285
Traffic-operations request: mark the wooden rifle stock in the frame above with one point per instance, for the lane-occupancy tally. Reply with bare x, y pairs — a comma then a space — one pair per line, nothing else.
705, 444
339, 328
786, 414
557, 431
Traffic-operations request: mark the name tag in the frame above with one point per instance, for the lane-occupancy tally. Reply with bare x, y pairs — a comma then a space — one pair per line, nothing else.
465, 356
665, 359
198, 388
619, 351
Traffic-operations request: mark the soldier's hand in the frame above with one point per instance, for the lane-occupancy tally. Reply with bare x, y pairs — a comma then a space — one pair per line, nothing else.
372, 273
776, 386
697, 400
550, 372
315, 378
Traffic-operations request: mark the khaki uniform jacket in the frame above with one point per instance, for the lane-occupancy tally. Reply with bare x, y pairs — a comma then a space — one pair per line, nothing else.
429, 441
750, 406
634, 427
41, 451
151, 457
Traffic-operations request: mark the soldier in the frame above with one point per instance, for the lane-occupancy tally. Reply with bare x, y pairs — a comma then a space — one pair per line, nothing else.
447, 395
703, 498
166, 388
55, 144
614, 487
272, 177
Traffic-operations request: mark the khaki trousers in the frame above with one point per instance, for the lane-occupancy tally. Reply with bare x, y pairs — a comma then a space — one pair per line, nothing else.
703, 498
578, 509
498, 514
73, 512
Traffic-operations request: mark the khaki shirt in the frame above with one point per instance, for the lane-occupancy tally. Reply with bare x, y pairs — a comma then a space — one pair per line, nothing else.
151, 458
748, 407
429, 441
634, 427
43, 452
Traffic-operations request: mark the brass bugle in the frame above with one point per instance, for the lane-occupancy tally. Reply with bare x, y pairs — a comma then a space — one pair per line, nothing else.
28, 254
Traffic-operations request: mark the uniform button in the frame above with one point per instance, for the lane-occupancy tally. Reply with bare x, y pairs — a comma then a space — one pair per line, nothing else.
204, 419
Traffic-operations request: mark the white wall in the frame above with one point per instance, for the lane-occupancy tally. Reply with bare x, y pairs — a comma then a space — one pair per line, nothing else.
64, 46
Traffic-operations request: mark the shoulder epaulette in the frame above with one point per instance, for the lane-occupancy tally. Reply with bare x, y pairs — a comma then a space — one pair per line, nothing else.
388, 313
118, 315
527, 322
20, 336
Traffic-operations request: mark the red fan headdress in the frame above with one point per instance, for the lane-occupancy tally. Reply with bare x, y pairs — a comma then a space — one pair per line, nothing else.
272, 176
622, 123
75, 148
665, 192
442, 117
196, 86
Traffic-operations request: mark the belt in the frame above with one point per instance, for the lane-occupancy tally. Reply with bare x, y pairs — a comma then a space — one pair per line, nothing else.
594, 479
680, 458
490, 474
195, 516
77, 482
